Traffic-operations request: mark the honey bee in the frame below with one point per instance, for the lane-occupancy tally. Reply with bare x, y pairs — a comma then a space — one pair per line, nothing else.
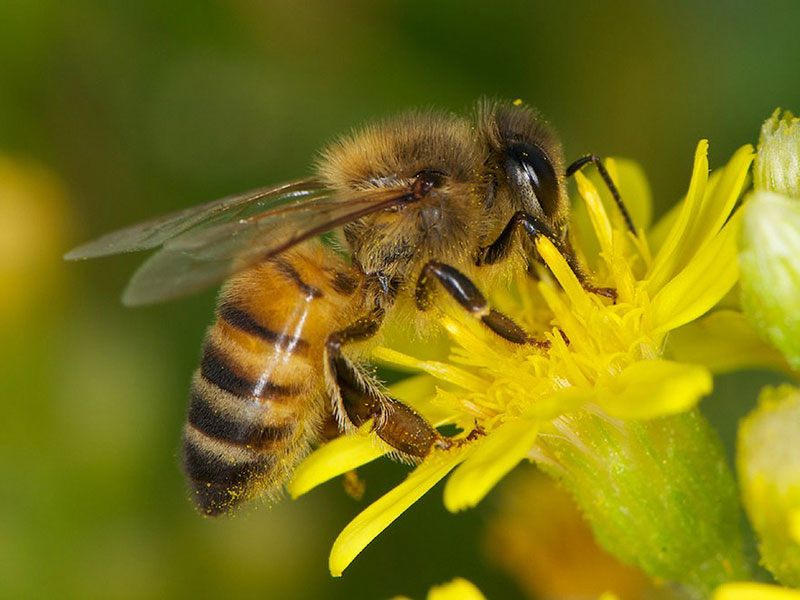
417, 206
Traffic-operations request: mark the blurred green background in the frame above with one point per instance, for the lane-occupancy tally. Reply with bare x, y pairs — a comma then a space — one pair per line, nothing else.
112, 112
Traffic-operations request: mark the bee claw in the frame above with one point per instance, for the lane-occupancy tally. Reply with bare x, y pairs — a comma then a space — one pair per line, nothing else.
606, 292
448, 443
541, 344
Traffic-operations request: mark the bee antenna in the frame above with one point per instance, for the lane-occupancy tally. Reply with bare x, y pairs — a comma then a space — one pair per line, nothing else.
593, 158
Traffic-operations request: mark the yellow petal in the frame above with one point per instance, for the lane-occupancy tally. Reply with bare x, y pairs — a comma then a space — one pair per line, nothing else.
381, 513
665, 262
710, 274
794, 525
349, 452
716, 209
658, 234
494, 456
597, 213
440, 370
419, 393
724, 341
338, 456
754, 591
566, 277
458, 589
633, 188
559, 402
653, 388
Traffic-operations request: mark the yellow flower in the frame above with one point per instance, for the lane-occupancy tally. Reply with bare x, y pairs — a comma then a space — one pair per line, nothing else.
754, 591
769, 244
35, 220
457, 589
768, 462
612, 365
539, 537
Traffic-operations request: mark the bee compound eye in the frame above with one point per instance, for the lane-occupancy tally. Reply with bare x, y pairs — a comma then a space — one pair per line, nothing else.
425, 181
531, 166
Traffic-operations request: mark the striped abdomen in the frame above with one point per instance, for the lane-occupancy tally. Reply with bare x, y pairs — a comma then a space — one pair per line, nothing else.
257, 399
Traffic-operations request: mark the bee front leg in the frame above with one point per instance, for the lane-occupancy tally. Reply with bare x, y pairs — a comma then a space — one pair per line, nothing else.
533, 227
466, 293
356, 397
595, 160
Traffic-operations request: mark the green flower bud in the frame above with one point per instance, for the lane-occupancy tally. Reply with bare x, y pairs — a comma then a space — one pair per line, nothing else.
777, 164
769, 258
768, 462
658, 494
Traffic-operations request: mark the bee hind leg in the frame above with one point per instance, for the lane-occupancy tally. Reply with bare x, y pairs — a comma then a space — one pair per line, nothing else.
357, 398
469, 297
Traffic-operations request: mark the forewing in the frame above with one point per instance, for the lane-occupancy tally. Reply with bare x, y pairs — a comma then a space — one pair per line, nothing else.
156, 232
201, 258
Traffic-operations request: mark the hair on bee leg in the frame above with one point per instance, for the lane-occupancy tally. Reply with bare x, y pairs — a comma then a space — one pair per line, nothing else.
357, 399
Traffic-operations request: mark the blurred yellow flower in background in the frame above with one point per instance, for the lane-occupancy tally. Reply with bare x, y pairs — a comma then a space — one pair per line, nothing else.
34, 215
540, 538
768, 463
457, 589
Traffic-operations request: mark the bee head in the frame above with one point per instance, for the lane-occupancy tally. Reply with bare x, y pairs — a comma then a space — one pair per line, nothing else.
526, 157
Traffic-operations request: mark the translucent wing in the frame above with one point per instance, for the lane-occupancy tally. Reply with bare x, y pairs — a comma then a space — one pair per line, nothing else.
202, 257
156, 232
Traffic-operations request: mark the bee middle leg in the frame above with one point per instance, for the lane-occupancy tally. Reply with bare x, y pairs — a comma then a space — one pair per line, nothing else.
500, 249
466, 293
357, 399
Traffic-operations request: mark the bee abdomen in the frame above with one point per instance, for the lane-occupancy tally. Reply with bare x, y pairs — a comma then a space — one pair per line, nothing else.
260, 437
257, 400
221, 478
231, 452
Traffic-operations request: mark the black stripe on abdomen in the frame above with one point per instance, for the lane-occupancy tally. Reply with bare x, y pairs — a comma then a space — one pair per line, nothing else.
219, 484
244, 321
344, 284
215, 369
288, 271
219, 426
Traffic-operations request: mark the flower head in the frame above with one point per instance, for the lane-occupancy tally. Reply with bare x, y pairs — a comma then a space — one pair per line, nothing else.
770, 250
604, 358
768, 461
777, 166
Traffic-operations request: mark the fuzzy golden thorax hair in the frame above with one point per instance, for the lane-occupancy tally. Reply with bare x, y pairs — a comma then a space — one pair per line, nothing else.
449, 223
